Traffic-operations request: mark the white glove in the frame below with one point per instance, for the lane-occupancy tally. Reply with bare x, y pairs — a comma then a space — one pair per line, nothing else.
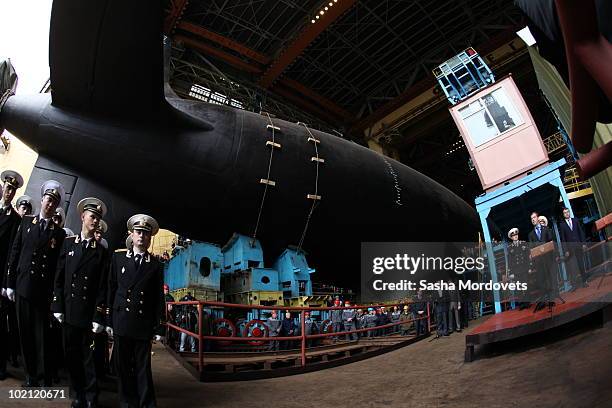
157, 337
96, 327
10, 293
109, 331
59, 317
3, 292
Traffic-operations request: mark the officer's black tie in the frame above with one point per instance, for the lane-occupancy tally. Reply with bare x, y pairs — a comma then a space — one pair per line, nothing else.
137, 260
42, 225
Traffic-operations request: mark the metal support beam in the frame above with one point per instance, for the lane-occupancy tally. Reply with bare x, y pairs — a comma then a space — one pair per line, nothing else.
304, 104
216, 52
177, 8
224, 42
425, 84
308, 34
319, 99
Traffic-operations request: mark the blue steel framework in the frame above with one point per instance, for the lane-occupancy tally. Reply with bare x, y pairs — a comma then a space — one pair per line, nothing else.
549, 174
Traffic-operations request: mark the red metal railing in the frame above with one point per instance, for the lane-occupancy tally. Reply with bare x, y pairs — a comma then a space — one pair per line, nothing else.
302, 337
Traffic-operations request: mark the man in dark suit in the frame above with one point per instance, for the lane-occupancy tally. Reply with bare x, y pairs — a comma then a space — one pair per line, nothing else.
79, 300
134, 314
571, 231
9, 222
540, 233
30, 274
546, 277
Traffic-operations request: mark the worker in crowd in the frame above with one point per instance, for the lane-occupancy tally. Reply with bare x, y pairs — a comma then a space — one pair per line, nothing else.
349, 317
310, 327
371, 321
170, 316
395, 318
336, 318
406, 318
274, 326
287, 330
419, 312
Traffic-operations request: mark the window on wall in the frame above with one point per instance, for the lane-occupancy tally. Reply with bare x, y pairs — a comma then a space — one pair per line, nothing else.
207, 95
205, 266
490, 116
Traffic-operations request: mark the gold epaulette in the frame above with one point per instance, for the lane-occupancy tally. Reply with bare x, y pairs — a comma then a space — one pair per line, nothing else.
121, 250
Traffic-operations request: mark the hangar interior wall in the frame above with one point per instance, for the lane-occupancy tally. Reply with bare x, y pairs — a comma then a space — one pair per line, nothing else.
558, 95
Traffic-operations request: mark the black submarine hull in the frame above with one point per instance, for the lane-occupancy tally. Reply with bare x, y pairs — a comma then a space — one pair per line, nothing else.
205, 181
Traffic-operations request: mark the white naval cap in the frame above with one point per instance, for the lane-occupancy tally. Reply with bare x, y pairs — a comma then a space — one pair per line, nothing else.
53, 189
512, 232
59, 212
24, 200
102, 227
92, 204
143, 222
12, 178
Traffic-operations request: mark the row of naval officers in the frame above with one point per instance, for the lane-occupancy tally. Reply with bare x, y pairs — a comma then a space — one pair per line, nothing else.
75, 281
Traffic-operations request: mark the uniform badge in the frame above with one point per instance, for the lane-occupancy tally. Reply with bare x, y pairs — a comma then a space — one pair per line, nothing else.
123, 269
93, 244
34, 220
53, 242
8, 212
71, 253
28, 231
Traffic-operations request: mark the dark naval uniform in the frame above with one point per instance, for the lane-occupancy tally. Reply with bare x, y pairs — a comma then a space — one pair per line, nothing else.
31, 270
80, 294
9, 223
135, 309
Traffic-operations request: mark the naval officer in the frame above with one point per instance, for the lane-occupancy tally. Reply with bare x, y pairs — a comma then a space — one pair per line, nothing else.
134, 314
30, 274
9, 222
79, 300
24, 205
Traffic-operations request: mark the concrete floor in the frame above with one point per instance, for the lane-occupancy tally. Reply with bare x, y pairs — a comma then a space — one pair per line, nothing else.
575, 371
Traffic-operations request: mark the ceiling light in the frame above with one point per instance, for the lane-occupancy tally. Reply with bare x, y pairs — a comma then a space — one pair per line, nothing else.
317, 17
321, 12
526, 36
326, 8
331, 4
313, 21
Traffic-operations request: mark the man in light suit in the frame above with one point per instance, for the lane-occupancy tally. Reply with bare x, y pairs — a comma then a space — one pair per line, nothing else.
571, 231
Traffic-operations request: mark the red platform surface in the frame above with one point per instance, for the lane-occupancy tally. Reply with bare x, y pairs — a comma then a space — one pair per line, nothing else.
517, 323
